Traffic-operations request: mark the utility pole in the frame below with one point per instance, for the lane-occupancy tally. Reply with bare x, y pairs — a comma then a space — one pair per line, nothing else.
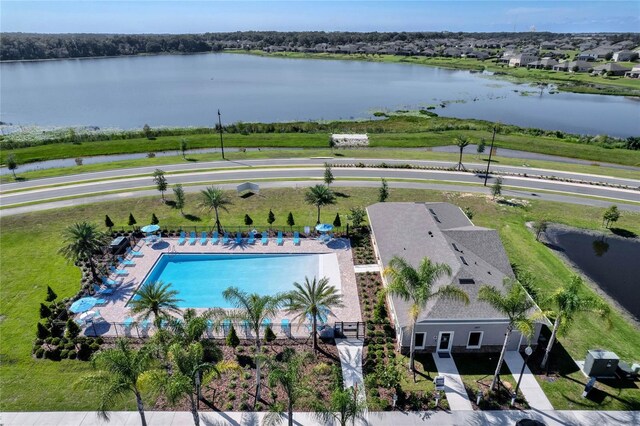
493, 138
222, 144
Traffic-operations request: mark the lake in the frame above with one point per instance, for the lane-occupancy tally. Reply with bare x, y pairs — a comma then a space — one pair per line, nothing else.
611, 262
127, 92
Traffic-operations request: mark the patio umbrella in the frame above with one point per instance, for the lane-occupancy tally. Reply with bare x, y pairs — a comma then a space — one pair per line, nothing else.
150, 228
324, 227
83, 305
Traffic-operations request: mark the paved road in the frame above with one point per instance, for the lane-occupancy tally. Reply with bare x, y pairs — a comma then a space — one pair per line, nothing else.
132, 179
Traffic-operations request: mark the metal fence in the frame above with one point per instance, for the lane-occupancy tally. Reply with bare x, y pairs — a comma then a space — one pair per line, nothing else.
282, 330
166, 229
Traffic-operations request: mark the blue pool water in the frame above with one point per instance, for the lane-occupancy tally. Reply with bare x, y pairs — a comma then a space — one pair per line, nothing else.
200, 279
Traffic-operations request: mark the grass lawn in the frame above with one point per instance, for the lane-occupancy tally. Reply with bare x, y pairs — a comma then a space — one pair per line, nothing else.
29, 262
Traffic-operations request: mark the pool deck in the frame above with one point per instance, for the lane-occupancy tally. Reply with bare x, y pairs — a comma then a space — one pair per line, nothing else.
115, 311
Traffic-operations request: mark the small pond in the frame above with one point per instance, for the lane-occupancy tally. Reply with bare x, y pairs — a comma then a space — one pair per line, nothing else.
612, 262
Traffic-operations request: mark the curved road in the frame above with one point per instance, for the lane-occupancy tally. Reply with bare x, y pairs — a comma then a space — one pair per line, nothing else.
286, 172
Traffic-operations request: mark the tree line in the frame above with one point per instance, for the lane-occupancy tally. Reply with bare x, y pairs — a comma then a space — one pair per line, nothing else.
25, 46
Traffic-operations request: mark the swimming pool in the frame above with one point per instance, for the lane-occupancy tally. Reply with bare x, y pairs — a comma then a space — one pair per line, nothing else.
200, 279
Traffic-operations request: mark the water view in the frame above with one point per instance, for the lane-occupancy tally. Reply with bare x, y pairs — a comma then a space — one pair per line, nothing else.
127, 92
611, 262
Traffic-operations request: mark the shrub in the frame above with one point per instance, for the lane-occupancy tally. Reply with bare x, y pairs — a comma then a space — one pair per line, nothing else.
45, 312
94, 347
53, 355
246, 375
322, 369
233, 385
84, 353
244, 406
70, 345
73, 329
244, 385
38, 342
232, 339
240, 349
269, 335
39, 353
99, 340
73, 354
231, 396
55, 341
43, 332
64, 353
51, 295
228, 406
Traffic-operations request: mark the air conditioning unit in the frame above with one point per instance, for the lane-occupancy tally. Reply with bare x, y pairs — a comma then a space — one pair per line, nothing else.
601, 363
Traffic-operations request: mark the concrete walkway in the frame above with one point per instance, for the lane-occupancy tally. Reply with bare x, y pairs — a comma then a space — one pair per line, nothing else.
350, 352
529, 385
453, 386
367, 268
396, 418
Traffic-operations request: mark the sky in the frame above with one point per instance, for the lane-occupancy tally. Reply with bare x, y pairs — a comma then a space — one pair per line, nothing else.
186, 16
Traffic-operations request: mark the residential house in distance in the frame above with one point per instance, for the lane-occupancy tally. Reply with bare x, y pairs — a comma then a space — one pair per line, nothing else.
543, 64
623, 56
522, 60
573, 66
634, 73
610, 69
444, 234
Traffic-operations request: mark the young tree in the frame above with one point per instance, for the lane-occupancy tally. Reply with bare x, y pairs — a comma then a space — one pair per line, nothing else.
12, 164
515, 304
51, 295
178, 192
108, 222
73, 329
346, 406
160, 181
232, 338
289, 375
155, 298
154, 219
271, 218
183, 147
119, 374
568, 301
215, 199
612, 214
468, 211
328, 174
247, 220
416, 286
383, 191
337, 222
269, 335
319, 196
148, 133
496, 188
290, 220
312, 298
132, 220
45, 311
81, 241
357, 215
42, 332
461, 142
253, 309
539, 227
481, 146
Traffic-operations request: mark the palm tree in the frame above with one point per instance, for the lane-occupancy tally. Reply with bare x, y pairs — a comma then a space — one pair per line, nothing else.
416, 286
461, 142
120, 370
320, 195
155, 298
253, 309
81, 241
515, 304
309, 299
289, 374
192, 327
568, 302
214, 198
345, 406
188, 373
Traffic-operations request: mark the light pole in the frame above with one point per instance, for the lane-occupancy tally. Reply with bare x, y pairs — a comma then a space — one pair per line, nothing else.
394, 401
528, 351
222, 144
493, 138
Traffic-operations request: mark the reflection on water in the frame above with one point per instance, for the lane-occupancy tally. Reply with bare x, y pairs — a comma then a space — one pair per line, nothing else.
611, 262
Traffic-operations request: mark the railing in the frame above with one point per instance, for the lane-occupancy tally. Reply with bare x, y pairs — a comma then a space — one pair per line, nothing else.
165, 229
292, 330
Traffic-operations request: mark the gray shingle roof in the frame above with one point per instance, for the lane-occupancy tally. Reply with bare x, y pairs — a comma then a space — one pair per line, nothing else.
443, 233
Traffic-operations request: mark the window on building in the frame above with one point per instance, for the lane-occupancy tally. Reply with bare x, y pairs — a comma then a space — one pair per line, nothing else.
420, 339
475, 340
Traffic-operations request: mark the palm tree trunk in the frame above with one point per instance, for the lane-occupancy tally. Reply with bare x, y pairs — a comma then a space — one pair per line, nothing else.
318, 215
460, 160
217, 220
143, 420
94, 274
14, 173
501, 359
412, 348
194, 410
314, 329
198, 387
290, 413
552, 340
258, 370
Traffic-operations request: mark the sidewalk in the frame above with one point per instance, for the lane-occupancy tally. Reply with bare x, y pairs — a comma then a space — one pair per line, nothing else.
350, 352
453, 386
396, 418
529, 386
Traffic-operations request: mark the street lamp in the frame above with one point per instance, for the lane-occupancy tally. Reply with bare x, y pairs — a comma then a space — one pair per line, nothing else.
220, 128
493, 138
528, 351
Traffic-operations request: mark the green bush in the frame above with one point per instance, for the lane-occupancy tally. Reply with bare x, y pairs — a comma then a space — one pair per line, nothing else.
228, 406
51, 295
53, 355
39, 353
246, 375
55, 341
45, 312
269, 335
73, 354
43, 332
64, 353
99, 340
232, 339
322, 369
244, 385
84, 353
73, 329
94, 347
231, 396
70, 345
